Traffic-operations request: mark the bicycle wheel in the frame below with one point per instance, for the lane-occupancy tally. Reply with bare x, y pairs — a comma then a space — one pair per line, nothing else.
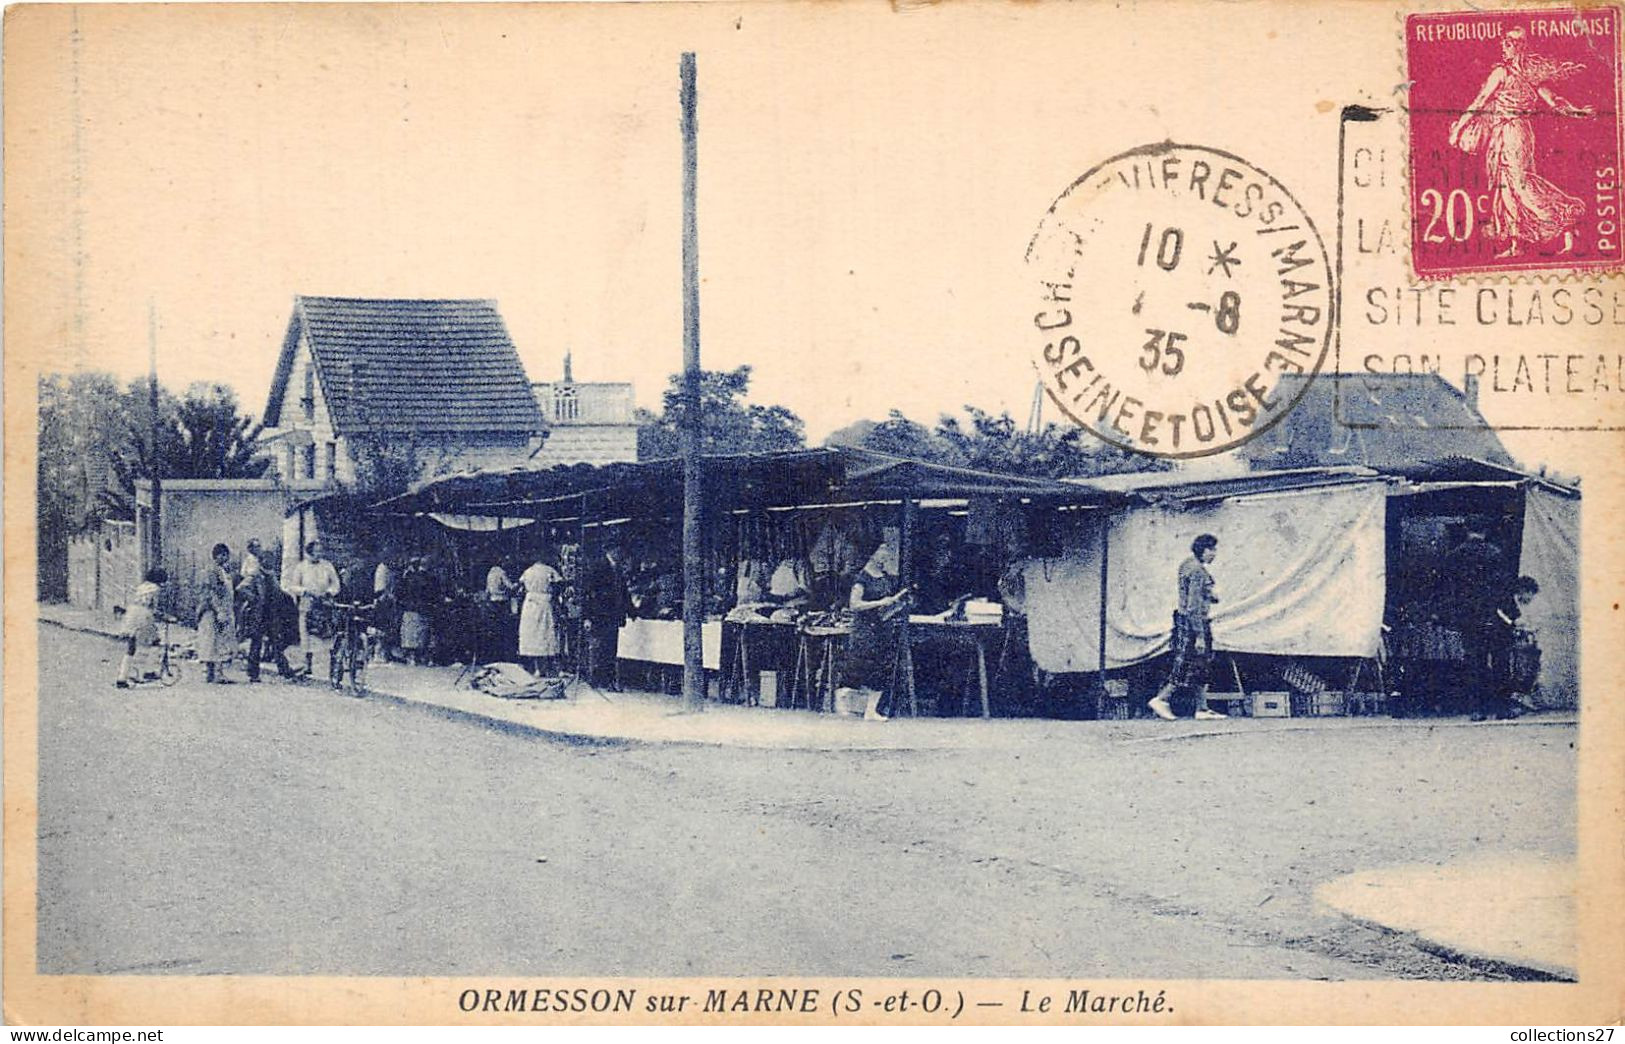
338, 662
169, 673
354, 683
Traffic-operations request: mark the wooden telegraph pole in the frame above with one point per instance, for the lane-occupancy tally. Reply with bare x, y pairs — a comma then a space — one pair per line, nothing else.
693, 545
155, 533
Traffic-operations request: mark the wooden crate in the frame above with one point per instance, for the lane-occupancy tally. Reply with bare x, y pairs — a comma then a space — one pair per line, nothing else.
1326, 705
1272, 705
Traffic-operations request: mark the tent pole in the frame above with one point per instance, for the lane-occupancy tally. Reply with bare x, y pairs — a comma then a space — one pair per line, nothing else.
693, 547
1105, 561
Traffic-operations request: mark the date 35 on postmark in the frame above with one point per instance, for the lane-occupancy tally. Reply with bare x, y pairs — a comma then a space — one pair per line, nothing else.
1174, 286
1515, 143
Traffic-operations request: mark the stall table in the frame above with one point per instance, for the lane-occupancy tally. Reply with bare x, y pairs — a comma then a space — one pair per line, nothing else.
661, 641
970, 635
818, 666
761, 645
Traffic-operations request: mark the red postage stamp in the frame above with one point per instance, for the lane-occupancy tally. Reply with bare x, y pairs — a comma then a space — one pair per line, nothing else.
1515, 141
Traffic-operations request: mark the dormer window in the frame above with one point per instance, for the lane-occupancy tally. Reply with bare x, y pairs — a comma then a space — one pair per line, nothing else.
566, 404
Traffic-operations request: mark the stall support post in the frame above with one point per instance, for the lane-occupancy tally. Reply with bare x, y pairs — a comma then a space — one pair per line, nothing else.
905, 575
693, 548
1105, 562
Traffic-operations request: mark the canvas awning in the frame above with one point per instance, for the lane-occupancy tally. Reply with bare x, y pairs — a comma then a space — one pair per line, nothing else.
732, 482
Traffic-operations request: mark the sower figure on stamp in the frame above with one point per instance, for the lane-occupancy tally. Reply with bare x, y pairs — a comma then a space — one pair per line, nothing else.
1192, 640
1524, 207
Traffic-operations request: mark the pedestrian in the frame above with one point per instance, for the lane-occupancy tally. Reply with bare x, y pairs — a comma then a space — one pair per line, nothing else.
1523, 655
254, 616
606, 604
387, 614
216, 617
140, 630
878, 601
419, 596
1015, 671
1475, 582
496, 608
314, 585
1192, 638
538, 627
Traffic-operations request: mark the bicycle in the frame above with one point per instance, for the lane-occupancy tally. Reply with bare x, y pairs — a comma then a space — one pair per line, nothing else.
353, 646
169, 656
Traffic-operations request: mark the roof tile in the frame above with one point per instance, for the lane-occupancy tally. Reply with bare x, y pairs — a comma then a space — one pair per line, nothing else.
399, 365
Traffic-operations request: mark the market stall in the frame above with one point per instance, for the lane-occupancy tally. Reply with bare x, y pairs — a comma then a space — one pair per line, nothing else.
786, 533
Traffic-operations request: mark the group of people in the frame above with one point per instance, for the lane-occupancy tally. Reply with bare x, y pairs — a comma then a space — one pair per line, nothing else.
1476, 596
230, 609
833, 574
1470, 594
535, 616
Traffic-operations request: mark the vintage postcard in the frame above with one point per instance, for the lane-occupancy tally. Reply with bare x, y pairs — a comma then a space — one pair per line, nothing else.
912, 514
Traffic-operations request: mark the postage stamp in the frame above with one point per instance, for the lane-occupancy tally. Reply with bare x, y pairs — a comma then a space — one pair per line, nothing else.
1176, 286
1515, 141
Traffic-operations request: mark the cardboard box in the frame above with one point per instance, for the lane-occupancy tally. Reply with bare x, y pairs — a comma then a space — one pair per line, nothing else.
1272, 705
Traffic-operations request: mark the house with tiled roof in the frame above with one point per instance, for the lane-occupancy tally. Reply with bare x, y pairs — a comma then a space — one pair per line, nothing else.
588, 422
1408, 424
360, 375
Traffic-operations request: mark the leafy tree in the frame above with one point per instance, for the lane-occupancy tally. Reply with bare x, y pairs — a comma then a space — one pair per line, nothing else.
387, 465
201, 435
729, 424
996, 443
81, 425
216, 441
96, 441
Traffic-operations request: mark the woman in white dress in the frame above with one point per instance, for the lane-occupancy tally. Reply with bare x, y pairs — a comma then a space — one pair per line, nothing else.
538, 632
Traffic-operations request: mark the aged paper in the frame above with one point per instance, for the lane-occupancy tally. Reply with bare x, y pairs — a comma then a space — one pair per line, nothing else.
1187, 229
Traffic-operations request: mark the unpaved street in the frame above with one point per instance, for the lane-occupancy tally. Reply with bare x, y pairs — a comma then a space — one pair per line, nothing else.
279, 829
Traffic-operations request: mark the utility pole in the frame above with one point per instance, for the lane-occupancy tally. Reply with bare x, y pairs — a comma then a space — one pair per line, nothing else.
155, 537
693, 545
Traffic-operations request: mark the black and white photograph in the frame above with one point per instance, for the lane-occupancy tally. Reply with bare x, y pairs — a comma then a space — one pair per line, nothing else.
700, 513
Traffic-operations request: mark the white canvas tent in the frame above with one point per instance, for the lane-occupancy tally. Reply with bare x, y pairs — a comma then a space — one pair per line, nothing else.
1300, 572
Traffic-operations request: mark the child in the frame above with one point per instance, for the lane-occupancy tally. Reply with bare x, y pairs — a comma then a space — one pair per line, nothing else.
140, 628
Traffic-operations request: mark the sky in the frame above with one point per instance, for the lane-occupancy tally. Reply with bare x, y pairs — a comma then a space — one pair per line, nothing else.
867, 184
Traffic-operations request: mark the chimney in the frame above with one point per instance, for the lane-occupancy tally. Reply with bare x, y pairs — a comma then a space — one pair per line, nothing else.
1470, 390
568, 379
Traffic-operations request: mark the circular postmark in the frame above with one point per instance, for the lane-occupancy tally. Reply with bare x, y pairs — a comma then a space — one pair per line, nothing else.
1178, 290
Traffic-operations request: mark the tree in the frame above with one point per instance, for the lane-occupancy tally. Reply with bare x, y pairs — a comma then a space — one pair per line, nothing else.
997, 444
388, 464
95, 442
200, 435
82, 421
729, 424
216, 441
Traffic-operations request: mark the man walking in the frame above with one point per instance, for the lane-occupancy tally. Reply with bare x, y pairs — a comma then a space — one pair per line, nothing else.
1192, 640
